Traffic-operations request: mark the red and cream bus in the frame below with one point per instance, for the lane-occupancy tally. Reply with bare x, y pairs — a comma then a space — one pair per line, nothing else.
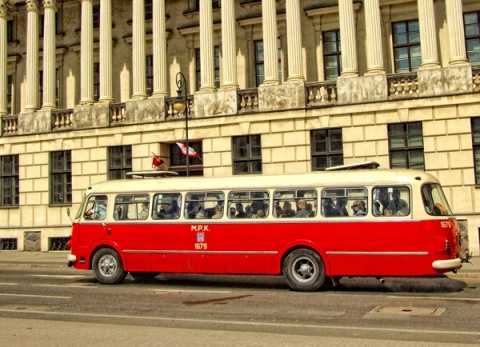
313, 228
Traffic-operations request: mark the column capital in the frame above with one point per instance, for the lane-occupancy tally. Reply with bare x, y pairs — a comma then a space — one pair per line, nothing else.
50, 4
32, 5
4, 7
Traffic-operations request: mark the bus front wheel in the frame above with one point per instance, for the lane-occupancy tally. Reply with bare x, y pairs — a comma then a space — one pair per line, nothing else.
304, 270
107, 266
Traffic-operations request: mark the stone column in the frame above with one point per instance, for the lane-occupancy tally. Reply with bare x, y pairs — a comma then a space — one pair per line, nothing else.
106, 79
49, 61
229, 48
348, 38
32, 94
3, 56
159, 49
86, 55
426, 19
373, 23
138, 48
269, 25
207, 75
456, 34
294, 41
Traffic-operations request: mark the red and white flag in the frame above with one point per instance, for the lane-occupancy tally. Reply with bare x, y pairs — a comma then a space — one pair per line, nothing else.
191, 151
157, 161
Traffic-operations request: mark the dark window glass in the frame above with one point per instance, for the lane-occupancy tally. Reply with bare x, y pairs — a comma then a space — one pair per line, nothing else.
405, 141
332, 54
119, 162
472, 36
149, 72
216, 61
96, 16
178, 161
247, 155
61, 177
148, 10
9, 181
96, 81
327, 148
9, 93
10, 31
406, 46
260, 61
476, 147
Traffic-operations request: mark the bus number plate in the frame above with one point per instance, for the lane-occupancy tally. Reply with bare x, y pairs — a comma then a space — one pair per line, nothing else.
446, 224
201, 245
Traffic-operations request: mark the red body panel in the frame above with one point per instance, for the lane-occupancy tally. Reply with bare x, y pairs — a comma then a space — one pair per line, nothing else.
348, 247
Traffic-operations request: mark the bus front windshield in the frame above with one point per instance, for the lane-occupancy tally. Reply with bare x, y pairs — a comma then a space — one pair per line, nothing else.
434, 200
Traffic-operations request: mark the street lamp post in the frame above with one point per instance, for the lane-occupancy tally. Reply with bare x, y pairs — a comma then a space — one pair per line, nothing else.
181, 105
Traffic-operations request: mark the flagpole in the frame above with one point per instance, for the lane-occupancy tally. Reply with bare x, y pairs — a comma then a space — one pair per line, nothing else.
181, 104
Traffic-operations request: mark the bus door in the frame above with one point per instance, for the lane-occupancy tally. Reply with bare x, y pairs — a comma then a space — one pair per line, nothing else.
129, 230
93, 224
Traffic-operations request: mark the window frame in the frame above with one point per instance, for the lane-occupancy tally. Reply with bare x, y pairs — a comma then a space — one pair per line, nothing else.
469, 38
475, 130
178, 162
250, 159
124, 155
65, 175
336, 54
329, 154
408, 45
9, 180
406, 148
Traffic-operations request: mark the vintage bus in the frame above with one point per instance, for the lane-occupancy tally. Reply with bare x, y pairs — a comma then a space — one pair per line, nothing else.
312, 228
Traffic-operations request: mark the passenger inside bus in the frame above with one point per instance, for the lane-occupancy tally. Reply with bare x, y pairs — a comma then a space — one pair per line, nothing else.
327, 208
358, 208
396, 206
218, 212
302, 208
143, 214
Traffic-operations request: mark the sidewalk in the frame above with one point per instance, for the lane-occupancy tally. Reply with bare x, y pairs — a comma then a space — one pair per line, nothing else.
59, 260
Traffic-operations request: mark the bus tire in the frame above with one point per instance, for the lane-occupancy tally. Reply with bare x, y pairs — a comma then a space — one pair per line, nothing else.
304, 270
107, 266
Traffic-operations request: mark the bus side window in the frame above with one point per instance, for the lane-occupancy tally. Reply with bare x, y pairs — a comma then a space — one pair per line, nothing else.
248, 204
201, 205
96, 208
130, 207
391, 201
166, 206
344, 202
299, 203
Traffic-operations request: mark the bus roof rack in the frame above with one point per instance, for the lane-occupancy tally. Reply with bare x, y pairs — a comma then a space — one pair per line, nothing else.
357, 166
151, 174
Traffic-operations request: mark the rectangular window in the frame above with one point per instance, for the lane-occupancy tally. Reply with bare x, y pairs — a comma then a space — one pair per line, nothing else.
119, 162
472, 36
148, 10
332, 54
61, 177
149, 72
201, 205
326, 148
295, 203
247, 155
215, 4
391, 201
96, 81
344, 202
476, 147
96, 16
216, 61
405, 142
9, 181
178, 161
248, 204
406, 46
260, 61
166, 206
10, 31
9, 93
131, 207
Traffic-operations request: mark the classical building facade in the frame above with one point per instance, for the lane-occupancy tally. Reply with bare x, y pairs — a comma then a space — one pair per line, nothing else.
87, 90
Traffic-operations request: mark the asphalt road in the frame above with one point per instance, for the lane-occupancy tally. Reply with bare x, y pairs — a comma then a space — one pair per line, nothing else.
49, 305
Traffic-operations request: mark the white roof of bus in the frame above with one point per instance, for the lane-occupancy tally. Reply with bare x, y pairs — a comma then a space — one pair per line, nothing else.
254, 182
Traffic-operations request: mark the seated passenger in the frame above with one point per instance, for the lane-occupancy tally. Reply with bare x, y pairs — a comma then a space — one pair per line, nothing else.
302, 208
328, 209
358, 208
310, 211
218, 212
397, 206
259, 214
287, 210
144, 212
240, 212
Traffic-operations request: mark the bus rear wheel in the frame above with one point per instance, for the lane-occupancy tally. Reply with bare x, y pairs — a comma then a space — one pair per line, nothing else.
304, 270
107, 266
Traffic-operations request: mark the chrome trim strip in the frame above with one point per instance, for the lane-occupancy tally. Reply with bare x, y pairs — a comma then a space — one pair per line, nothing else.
374, 253
199, 252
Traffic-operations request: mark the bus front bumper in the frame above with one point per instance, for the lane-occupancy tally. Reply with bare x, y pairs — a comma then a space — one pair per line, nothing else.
449, 264
71, 260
